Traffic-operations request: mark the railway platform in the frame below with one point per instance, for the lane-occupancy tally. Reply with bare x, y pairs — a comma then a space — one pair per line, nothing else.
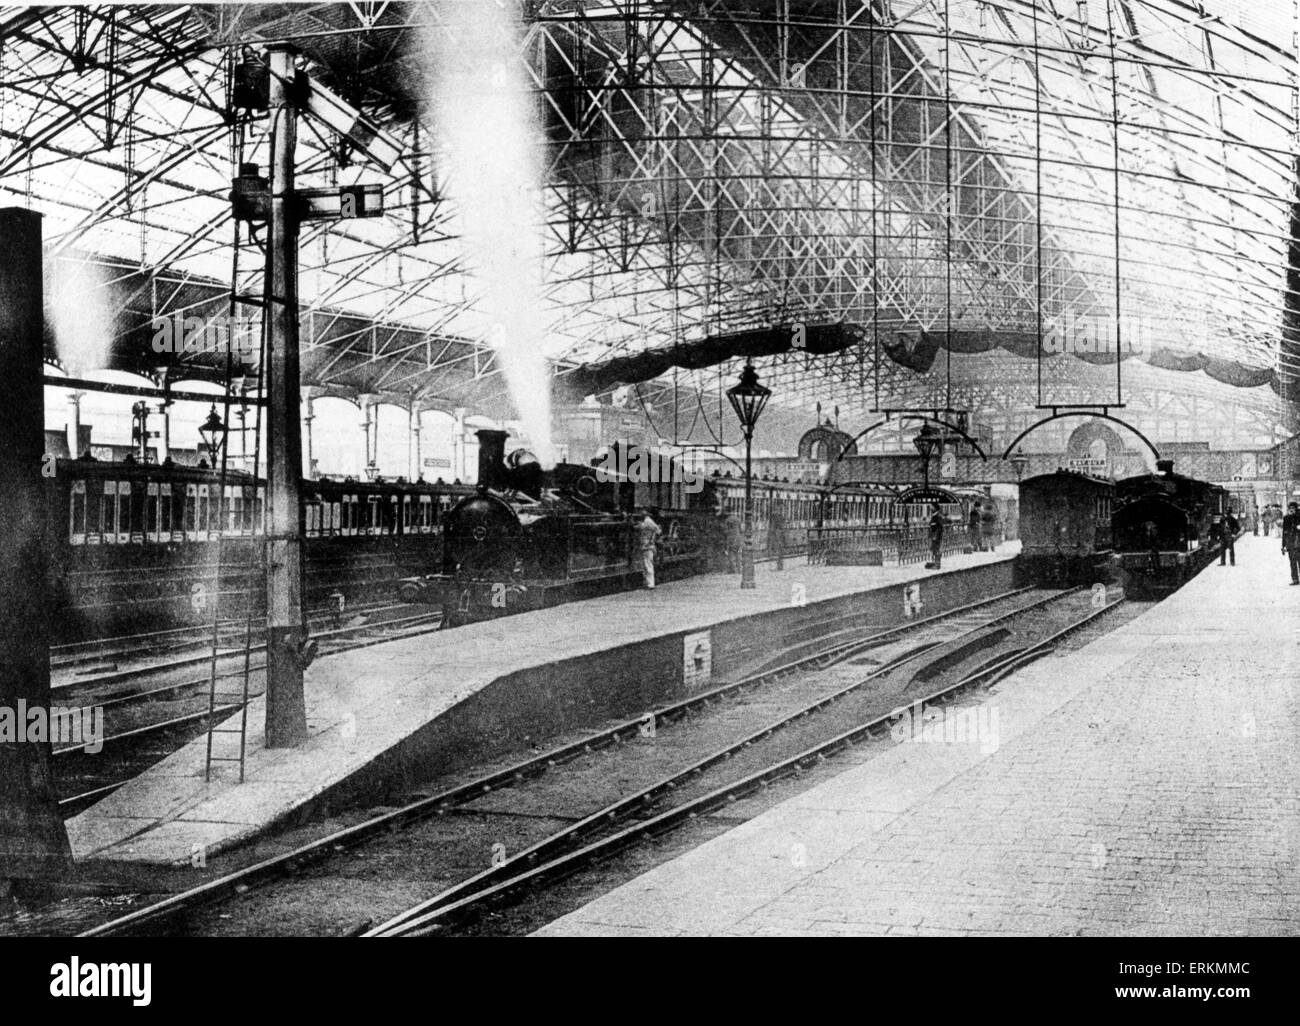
385, 716
1143, 784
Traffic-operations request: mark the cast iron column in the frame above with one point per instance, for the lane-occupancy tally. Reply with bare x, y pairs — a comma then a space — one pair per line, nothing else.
286, 712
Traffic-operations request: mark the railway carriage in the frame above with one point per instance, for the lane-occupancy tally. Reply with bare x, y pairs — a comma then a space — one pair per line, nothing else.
785, 511
153, 546
1065, 529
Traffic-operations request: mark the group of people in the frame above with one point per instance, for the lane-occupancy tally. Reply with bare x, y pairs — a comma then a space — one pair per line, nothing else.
1269, 517
984, 528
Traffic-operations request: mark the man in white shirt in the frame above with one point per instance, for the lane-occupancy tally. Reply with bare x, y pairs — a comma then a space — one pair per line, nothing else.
648, 533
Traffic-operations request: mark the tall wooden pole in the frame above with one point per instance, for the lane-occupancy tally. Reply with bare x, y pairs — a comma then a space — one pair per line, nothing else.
286, 712
33, 842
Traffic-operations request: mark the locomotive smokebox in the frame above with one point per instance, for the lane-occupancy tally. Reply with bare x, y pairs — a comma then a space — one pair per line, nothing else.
492, 458
33, 842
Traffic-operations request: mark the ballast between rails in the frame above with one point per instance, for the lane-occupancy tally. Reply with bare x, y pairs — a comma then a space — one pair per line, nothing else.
485, 889
531, 767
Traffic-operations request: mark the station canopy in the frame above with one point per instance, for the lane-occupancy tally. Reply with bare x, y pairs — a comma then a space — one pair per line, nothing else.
886, 204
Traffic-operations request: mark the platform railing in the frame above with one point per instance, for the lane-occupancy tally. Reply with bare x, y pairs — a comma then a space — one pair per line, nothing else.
901, 544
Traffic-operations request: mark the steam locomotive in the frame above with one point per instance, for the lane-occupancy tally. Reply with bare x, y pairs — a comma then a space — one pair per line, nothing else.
529, 538
1162, 528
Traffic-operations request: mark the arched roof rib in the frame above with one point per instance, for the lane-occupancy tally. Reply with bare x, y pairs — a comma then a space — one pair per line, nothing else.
796, 153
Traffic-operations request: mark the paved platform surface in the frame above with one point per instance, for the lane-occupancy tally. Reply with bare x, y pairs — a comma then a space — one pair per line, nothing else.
1145, 784
360, 704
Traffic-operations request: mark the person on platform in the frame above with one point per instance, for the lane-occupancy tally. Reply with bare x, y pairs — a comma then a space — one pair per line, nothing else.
990, 528
936, 538
1152, 538
648, 533
973, 529
733, 541
1291, 539
1229, 539
776, 536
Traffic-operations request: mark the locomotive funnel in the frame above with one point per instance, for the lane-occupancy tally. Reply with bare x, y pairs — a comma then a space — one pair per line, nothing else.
492, 458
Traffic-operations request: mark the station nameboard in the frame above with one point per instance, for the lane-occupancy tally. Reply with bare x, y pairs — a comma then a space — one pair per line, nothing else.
1088, 464
932, 494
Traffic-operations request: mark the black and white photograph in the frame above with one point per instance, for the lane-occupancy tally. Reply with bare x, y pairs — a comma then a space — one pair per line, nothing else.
785, 474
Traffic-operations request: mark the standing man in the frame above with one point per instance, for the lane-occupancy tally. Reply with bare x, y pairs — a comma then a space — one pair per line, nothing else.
776, 536
1230, 528
735, 541
648, 533
973, 528
990, 527
936, 538
1291, 539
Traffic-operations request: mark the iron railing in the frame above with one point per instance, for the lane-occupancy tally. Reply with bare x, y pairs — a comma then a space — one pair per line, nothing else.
896, 543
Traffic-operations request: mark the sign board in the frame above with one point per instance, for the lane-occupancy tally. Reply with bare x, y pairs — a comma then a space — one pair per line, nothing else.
341, 202
437, 461
931, 494
697, 659
1088, 464
948, 464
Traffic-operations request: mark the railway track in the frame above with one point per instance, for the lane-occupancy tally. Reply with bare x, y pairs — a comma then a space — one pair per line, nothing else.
76, 660
743, 735
158, 713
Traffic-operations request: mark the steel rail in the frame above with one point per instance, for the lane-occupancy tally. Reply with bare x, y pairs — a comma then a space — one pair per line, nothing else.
423, 919
531, 767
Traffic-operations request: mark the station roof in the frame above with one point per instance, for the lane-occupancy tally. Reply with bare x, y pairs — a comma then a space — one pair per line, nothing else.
919, 192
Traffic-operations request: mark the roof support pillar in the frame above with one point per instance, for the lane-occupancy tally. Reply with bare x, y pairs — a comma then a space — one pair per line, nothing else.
286, 710
33, 842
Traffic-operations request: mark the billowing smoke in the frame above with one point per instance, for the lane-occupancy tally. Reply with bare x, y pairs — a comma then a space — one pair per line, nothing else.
491, 143
78, 309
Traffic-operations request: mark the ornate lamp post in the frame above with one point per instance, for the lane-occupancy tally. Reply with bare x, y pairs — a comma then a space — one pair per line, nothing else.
1020, 461
213, 433
748, 399
927, 442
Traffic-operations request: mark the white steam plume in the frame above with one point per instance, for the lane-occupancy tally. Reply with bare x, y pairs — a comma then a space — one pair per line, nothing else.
78, 310
487, 129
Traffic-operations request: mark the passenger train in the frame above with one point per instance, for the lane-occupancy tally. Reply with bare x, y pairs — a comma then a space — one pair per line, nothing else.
139, 546
1151, 530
